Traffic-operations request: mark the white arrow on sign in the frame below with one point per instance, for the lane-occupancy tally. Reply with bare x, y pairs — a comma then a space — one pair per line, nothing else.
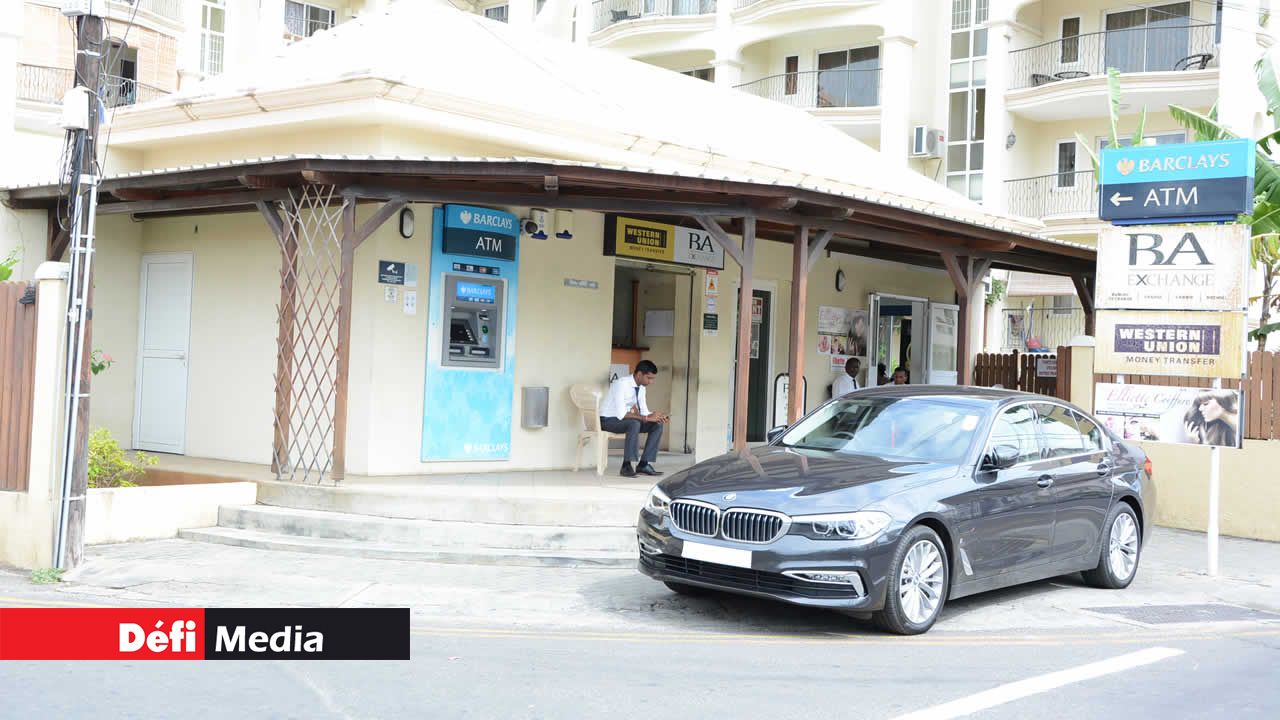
1118, 198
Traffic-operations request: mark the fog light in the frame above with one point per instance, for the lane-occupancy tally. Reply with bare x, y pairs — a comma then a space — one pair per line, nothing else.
649, 548
830, 577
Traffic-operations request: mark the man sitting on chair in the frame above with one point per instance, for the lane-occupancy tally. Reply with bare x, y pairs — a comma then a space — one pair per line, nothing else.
625, 411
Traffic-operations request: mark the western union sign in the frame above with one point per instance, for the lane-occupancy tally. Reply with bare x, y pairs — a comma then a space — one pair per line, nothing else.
659, 242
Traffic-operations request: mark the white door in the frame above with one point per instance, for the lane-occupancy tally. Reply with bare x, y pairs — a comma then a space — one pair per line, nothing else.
164, 338
944, 336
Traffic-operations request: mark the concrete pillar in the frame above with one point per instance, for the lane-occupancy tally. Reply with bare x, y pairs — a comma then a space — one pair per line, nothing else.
271, 28
28, 521
10, 38
1081, 374
728, 59
520, 12
1238, 97
584, 23
896, 57
728, 71
996, 157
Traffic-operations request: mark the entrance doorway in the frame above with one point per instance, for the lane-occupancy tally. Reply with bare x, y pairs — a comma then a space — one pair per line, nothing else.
164, 338
652, 320
917, 335
760, 368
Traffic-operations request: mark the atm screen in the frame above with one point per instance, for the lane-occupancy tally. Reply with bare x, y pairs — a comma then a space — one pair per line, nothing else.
477, 292
460, 332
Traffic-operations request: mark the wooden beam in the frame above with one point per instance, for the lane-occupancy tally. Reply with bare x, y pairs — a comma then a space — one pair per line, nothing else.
272, 215
1084, 290
711, 226
670, 208
958, 277
815, 250
346, 284
129, 194
382, 215
801, 262
240, 198
270, 182
281, 462
743, 369
59, 239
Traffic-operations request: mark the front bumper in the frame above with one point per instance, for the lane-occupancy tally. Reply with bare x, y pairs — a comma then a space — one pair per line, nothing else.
662, 558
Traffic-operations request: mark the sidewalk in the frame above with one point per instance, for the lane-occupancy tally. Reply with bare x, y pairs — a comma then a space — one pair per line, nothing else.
182, 573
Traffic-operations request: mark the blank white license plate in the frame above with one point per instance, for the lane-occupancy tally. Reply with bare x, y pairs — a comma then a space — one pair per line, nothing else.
717, 554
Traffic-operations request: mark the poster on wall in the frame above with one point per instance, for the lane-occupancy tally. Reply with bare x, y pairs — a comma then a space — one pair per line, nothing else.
1182, 415
842, 334
1195, 344
1173, 267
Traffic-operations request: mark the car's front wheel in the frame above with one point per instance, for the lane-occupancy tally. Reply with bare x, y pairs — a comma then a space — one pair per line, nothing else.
918, 584
1121, 548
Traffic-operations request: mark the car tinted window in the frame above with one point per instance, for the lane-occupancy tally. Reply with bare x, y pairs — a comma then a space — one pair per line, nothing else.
924, 429
1016, 427
1058, 431
1091, 432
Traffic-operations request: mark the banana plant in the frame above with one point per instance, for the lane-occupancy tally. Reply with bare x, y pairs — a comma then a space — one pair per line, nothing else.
1264, 221
1113, 105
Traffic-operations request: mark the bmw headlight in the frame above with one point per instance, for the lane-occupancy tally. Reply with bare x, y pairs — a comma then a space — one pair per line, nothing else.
657, 502
841, 526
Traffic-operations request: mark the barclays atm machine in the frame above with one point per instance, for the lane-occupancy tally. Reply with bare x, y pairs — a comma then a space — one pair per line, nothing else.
470, 375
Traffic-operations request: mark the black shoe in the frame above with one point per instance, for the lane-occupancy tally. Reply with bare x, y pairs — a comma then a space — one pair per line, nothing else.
627, 470
647, 469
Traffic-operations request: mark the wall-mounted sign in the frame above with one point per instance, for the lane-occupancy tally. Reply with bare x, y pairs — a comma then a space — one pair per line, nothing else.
584, 284
1195, 344
1047, 367
1173, 267
480, 232
390, 272
1177, 183
710, 324
645, 240
1193, 416
713, 283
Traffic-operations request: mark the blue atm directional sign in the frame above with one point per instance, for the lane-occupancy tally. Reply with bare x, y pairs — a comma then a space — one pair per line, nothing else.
1189, 182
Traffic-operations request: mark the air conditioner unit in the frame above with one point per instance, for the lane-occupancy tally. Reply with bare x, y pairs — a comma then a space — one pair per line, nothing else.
926, 142
73, 8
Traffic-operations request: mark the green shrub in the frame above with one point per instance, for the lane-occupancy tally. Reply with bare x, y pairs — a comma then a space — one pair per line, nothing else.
7, 264
46, 576
109, 466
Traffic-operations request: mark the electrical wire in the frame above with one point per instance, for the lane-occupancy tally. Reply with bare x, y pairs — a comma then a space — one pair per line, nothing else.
124, 45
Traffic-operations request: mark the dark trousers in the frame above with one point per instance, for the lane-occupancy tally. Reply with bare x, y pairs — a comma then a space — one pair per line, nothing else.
632, 428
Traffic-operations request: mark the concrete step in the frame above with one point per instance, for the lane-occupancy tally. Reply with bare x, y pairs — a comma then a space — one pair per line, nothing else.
563, 507
362, 549
436, 535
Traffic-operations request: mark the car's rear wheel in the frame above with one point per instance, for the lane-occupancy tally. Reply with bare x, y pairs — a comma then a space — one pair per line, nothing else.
918, 584
1121, 550
682, 589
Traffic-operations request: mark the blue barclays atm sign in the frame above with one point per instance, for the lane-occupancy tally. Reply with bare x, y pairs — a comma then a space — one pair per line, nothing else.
480, 232
1186, 182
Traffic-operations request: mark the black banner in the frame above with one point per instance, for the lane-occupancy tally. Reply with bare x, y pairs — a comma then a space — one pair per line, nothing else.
306, 633
479, 243
1184, 200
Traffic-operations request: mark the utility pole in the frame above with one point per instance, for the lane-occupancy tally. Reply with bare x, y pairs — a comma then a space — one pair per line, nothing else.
89, 60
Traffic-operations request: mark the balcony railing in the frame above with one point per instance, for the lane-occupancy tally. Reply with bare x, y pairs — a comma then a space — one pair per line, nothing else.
171, 9
820, 88
1058, 194
1039, 328
1145, 49
611, 12
42, 84
127, 91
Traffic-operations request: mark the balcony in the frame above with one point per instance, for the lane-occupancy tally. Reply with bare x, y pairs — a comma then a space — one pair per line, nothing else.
848, 99
611, 12
1061, 195
168, 9
1041, 328
47, 85
1160, 65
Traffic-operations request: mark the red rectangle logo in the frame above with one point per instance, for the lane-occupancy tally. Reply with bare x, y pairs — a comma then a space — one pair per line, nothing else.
102, 633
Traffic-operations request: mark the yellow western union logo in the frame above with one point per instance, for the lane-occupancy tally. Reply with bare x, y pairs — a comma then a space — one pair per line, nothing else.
645, 240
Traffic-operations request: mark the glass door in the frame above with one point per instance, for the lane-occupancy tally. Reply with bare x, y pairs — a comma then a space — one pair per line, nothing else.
944, 334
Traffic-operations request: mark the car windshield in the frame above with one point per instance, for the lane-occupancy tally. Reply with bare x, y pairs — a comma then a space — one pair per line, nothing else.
922, 429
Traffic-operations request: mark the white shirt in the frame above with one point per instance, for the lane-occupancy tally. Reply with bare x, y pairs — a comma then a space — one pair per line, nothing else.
622, 396
843, 385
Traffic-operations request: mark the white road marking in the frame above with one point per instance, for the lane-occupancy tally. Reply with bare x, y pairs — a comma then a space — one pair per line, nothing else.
1042, 683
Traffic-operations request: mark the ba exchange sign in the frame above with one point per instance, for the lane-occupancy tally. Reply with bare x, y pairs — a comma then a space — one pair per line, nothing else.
1173, 267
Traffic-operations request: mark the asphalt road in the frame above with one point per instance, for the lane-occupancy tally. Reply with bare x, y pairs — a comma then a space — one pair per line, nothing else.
501, 673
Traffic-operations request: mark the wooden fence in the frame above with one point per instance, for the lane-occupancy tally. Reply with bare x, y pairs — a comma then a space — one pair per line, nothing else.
1016, 371
1261, 392
17, 378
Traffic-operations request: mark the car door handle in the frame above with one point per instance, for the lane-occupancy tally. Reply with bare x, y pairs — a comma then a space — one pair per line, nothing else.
1045, 481
1104, 469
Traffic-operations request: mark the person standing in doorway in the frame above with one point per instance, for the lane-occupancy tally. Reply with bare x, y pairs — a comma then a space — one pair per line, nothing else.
900, 376
882, 377
626, 411
847, 382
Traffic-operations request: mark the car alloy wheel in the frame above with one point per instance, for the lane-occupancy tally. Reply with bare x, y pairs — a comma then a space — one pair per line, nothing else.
921, 581
1123, 547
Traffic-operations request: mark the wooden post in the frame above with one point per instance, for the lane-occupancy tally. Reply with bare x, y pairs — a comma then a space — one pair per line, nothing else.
346, 282
743, 374
287, 241
966, 275
1084, 290
799, 297
90, 44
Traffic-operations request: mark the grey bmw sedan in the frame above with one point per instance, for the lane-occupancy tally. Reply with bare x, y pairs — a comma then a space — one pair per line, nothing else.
892, 500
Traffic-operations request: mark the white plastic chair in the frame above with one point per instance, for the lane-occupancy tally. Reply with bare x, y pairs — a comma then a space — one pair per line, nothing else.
587, 399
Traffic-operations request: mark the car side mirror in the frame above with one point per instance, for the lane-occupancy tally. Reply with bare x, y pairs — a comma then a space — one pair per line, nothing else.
1000, 457
775, 433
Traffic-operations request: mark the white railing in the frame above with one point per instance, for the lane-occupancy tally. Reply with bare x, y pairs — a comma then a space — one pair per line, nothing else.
171, 9
611, 12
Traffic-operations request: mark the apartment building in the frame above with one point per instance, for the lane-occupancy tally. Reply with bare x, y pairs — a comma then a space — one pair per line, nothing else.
985, 96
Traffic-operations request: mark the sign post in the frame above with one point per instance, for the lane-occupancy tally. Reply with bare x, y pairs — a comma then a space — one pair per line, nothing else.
1182, 291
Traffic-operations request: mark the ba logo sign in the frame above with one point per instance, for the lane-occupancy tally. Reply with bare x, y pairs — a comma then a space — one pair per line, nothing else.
1154, 249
